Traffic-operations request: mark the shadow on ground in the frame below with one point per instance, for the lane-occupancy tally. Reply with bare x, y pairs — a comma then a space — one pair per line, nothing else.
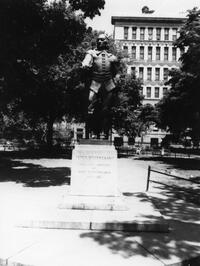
190, 194
181, 243
32, 174
37, 154
180, 206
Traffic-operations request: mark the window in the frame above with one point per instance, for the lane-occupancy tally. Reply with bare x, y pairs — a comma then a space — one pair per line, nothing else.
133, 52
166, 34
149, 73
134, 29
157, 53
155, 129
142, 52
165, 74
126, 33
141, 72
173, 53
142, 33
164, 91
149, 53
125, 50
174, 34
158, 34
157, 92
166, 53
150, 33
148, 92
141, 91
79, 133
157, 72
132, 70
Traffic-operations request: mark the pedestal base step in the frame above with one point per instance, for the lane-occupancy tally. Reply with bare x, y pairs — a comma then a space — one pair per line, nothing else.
94, 203
141, 216
113, 225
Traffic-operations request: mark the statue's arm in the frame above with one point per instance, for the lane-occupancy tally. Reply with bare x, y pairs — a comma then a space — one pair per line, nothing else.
88, 60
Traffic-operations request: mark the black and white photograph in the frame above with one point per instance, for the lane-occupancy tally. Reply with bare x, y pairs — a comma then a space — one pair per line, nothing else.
99, 133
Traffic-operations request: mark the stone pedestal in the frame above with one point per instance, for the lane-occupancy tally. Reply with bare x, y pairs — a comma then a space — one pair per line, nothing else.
94, 178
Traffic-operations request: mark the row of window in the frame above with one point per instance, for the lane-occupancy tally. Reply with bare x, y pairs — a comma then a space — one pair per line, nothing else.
157, 92
149, 76
150, 35
133, 54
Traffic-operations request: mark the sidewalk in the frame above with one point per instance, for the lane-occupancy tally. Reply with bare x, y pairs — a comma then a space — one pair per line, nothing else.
46, 247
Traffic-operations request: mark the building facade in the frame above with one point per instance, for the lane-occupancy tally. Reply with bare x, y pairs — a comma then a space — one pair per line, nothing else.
147, 44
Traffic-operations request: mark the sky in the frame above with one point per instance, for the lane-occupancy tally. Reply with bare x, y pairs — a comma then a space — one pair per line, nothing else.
163, 8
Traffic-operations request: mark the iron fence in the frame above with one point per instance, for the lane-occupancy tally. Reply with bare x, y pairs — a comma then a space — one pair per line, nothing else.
150, 169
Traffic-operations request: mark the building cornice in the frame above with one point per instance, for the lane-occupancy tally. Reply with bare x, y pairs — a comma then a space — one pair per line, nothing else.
151, 63
146, 42
144, 19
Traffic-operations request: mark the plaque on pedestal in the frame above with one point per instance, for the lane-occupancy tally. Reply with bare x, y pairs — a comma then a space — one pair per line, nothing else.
94, 171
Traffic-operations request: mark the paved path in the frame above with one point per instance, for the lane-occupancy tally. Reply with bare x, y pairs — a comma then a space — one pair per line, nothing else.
19, 246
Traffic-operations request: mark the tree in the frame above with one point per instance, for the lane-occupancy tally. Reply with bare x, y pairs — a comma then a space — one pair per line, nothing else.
128, 99
180, 109
40, 55
147, 116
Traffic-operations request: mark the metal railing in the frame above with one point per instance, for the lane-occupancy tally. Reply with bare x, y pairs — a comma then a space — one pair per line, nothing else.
150, 169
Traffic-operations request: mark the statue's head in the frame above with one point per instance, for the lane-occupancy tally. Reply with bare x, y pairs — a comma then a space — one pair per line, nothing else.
102, 42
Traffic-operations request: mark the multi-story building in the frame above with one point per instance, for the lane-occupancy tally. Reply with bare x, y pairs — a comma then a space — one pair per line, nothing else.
148, 45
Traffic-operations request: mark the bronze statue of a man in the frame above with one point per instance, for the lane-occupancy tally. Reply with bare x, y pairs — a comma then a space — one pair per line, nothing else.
103, 68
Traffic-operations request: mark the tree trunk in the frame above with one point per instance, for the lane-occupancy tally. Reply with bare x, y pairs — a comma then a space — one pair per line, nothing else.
50, 132
87, 128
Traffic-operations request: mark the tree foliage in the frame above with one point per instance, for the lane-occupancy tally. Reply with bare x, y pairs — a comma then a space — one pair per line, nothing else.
180, 109
147, 116
127, 102
89, 7
40, 55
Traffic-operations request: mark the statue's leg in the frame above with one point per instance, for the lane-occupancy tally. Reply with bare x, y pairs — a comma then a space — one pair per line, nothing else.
93, 95
94, 113
106, 116
107, 101
92, 100
95, 123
